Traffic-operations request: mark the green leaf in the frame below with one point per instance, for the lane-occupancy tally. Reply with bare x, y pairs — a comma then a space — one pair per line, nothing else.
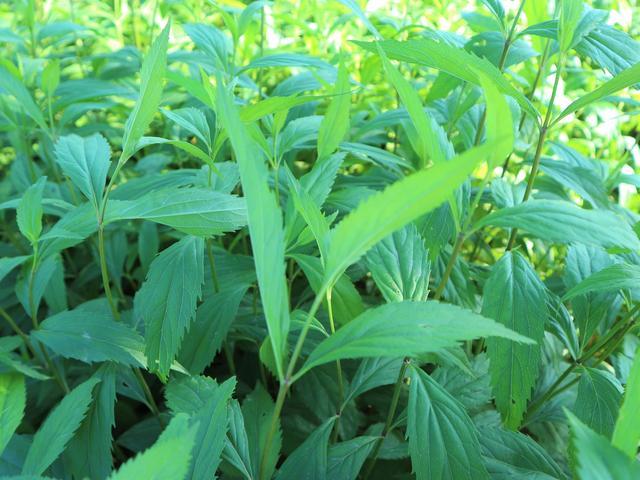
427, 143
167, 459
207, 404
7, 264
265, 227
400, 265
180, 144
168, 298
335, 123
91, 335
345, 299
594, 458
310, 460
14, 87
400, 203
152, 78
213, 320
346, 458
86, 162
90, 448
192, 120
195, 211
515, 297
499, 121
564, 222
236, 450
13, 397
624, 79
598, 401
29, 211
50, 78
496, 9
512, 455
373, 372
53, 435
443, 442
405, 329
570, 13
626, 434
619, 276
452, 60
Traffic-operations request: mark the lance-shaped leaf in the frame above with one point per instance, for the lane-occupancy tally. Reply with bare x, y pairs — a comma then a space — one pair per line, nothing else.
626, 434
13, 397
14, 87
91, 336
192, 120
454, 61
405, 329
195, 211
624, 79
598, 401
570, 13
400, 203
89, 451
335, 123
29, 211
152, 79
400, 265
515, 297
53, 435
346, 458
86, 162
265, 227
168, 298
443, 442
168, 458
619, 276
565, 222
310, 459
594, 458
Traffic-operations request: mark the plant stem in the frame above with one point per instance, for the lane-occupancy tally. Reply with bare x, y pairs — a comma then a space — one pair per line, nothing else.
286, 383
212, 267
339, 378
390, 416
105, 274
539, 147
16, 328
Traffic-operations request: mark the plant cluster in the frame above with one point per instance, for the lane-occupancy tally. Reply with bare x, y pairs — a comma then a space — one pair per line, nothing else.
319, 240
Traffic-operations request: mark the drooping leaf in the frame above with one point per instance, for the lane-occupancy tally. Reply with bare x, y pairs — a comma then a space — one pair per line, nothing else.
443, 441
53, 435
400, 266
152, 78
594, 458
167, 459
373, 372
90, 448
564, 222
86, 162
14, 87
91, 336
619, 276
13, 397
7, 264
310, 460
346, 458
194, 211
515, 297
167, 300
598, 401
265, 227
626, 434
192, 120
405, 329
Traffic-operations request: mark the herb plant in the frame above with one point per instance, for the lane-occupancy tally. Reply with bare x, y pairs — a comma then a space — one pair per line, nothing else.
319, 240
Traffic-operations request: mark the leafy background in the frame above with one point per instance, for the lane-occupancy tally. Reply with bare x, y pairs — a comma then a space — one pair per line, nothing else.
319, 239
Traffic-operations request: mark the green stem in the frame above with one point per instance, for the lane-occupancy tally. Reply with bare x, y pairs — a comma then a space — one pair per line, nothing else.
105, 274
16, 328
286, 383
539, 147
390, 416
339, 377
450, 264
147, 393
212, 267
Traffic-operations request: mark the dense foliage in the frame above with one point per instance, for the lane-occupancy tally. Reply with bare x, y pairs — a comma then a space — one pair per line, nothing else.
319, 240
